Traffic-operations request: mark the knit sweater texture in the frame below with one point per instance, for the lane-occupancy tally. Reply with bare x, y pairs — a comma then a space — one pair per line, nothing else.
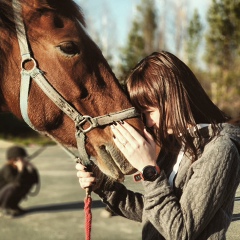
200, 204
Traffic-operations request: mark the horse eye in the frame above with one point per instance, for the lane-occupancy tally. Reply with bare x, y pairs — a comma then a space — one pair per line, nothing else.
69, 48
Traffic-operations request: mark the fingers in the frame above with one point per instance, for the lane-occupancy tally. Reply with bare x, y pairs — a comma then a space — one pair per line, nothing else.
130, 131
121, 134
86, 179
87, 182
80, 167
138, 150
120, 146
126, 135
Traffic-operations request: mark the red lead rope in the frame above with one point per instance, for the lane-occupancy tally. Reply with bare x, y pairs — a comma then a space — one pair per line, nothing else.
88, 216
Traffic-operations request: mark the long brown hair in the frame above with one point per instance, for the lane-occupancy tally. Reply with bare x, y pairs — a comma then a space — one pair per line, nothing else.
162, 79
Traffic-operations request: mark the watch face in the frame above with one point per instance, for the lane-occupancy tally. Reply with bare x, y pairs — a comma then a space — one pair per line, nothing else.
150, 173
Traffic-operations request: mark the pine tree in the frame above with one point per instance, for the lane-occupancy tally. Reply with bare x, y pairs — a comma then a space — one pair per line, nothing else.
133, 52
193, 40
141, 38
148, 23
222, 53
222, 39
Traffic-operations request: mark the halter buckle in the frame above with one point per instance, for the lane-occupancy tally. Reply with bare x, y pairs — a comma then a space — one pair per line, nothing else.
86, 119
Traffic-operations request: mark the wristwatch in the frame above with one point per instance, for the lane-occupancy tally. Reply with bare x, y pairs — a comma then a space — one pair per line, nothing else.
150, 173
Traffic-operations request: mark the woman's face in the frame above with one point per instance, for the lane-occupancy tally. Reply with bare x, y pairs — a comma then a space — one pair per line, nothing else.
152, 117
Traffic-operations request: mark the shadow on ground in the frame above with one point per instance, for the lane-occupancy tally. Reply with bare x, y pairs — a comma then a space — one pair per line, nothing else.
71, 206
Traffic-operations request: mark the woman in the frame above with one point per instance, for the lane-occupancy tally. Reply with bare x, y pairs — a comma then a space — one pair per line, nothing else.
190, 185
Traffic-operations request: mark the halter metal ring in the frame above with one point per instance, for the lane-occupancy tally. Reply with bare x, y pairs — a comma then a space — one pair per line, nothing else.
28, 59
85, 119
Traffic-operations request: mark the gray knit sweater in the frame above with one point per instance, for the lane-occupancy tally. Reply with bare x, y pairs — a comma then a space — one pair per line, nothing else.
200, 204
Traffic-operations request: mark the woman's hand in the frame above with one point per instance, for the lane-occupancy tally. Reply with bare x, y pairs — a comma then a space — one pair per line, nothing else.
86, 179
139, 151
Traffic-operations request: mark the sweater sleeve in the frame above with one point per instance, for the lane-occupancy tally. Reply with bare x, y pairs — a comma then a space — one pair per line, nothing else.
207, 187
122, 201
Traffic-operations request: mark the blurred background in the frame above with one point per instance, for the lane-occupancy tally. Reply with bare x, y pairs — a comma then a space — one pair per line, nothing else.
205, 34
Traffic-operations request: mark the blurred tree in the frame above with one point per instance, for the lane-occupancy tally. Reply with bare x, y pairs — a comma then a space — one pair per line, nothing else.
193, 39
222, 39
222, 53
102, 29
162, 23
132, 52
141, 39
148, 11
179, 24
172, 21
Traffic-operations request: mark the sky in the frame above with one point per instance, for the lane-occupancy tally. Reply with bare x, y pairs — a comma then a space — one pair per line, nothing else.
114, 17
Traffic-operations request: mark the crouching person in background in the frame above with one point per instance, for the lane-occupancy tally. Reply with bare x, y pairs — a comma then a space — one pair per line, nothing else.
17, 177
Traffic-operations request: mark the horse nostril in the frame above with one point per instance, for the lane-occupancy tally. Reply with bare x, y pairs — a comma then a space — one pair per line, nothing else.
103, 147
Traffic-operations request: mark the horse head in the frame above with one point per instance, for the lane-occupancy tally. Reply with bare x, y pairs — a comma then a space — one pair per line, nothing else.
74, 66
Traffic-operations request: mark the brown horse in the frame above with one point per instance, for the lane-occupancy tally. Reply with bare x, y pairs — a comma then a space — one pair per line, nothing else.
73, 65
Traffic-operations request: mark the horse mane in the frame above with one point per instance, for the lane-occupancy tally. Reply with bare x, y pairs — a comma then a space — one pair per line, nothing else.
67, 8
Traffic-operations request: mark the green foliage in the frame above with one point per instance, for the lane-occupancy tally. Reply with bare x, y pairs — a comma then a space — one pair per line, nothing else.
222, 54
133, 52
222, 39
148, 23
193, 39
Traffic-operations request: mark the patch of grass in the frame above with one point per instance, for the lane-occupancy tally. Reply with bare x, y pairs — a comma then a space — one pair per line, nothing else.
27, 141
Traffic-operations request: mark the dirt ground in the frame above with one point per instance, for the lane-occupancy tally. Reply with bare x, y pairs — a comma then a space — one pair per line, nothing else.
56, 213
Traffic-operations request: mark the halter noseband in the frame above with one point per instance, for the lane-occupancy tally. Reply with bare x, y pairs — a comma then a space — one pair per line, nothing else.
36, 74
